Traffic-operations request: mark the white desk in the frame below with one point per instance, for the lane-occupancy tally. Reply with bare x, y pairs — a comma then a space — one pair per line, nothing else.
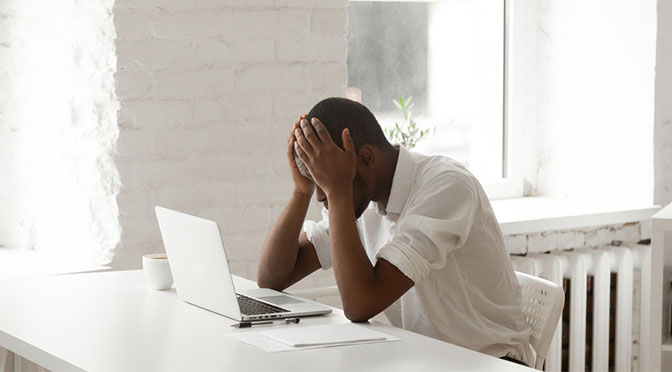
111, 321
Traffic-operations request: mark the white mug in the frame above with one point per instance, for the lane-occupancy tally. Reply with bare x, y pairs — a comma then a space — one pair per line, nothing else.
157, 271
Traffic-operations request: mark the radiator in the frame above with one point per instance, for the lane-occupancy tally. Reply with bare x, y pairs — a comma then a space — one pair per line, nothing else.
596, 329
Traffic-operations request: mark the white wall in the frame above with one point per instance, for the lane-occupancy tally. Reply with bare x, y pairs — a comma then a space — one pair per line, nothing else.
58, 128
594, 75
198, 82
209, 92
197, 79
663, 113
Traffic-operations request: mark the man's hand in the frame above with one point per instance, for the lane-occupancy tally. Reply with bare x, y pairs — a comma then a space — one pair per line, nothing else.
302, 184
332, 169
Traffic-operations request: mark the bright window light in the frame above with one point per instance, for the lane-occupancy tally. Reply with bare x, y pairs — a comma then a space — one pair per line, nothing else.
447, 55
58, 129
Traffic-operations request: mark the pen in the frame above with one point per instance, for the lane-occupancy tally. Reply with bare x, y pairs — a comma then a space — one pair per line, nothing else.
250, 324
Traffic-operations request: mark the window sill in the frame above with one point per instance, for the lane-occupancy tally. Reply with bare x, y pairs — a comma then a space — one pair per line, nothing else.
536, 214
15, 263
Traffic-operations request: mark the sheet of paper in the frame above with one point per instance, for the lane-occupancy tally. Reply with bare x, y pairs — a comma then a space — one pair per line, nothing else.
356, 335
324, 335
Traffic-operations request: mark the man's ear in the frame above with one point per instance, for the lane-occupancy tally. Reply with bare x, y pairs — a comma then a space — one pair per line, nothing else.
366, 156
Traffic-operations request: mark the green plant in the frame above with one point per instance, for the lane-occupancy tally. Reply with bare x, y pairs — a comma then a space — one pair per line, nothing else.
407, 134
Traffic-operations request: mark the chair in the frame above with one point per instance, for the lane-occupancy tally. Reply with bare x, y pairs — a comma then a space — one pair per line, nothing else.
542, 303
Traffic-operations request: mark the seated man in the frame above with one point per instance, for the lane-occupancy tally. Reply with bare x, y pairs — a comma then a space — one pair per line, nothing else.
429, 239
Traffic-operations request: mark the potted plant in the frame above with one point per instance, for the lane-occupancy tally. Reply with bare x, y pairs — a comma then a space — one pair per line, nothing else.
407, 134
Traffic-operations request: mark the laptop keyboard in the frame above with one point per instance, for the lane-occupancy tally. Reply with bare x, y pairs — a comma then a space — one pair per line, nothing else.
250, 306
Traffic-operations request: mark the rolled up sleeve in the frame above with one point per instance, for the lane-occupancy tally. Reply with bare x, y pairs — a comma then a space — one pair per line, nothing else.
318, 234
435, 223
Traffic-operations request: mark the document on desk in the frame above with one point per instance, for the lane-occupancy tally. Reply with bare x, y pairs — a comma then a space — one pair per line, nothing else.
311, 337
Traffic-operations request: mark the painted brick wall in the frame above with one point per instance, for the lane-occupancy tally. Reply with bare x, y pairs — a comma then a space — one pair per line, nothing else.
627, 234
209, 91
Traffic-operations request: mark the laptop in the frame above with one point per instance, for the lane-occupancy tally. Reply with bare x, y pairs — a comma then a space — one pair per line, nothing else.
202, 276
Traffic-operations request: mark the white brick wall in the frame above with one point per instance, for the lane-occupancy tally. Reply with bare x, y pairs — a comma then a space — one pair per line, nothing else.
209, 91
199, 81
627, 234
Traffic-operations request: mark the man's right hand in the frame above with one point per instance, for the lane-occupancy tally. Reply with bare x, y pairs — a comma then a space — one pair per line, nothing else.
302, 184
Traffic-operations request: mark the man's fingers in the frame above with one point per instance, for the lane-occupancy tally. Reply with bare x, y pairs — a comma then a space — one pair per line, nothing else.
290, 148
303, 143
348, 143
296, 125
321, 131
310, 135
301, 154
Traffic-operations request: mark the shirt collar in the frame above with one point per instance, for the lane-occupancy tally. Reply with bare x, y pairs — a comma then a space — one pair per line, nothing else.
401, 184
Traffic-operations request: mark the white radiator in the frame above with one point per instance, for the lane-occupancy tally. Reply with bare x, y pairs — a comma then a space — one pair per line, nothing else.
574, 270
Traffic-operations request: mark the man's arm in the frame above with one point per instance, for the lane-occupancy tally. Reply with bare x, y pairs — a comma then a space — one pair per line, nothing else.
365, 290
287, 255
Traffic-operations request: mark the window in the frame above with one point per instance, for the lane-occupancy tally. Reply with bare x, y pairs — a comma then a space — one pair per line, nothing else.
450, 57
556, 96
58, 129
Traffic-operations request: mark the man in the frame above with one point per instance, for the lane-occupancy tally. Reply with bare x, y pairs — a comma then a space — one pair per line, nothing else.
397, 225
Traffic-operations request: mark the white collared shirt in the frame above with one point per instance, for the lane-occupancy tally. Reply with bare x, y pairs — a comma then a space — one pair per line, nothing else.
440, 231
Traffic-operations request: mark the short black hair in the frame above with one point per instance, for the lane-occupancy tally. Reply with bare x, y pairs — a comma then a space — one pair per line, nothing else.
339, 113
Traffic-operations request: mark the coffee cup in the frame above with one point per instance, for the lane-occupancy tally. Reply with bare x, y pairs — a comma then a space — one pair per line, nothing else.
157, 271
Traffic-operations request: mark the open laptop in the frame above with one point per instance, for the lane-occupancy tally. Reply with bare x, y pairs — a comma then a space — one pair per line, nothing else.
202, 277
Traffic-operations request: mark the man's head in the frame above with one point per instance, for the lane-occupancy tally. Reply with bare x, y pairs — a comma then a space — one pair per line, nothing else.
370, 143
339, 113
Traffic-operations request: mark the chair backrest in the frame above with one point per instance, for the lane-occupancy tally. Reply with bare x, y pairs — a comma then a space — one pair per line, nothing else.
542, 303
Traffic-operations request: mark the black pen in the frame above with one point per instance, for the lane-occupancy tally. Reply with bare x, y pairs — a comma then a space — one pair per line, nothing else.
250, 324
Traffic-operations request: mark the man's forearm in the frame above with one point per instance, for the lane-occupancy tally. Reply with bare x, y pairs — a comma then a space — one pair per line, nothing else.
354, 273
280, 251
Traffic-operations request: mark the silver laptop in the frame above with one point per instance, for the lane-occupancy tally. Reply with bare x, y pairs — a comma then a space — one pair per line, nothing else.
202, 277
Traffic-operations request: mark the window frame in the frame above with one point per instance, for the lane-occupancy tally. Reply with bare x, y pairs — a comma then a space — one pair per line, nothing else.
511, 184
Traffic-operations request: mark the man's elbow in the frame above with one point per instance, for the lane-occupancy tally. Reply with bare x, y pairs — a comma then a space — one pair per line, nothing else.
357, 318
263, 283
358, 315
266, 281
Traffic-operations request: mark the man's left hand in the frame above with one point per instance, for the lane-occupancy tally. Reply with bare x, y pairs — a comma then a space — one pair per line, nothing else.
332, 168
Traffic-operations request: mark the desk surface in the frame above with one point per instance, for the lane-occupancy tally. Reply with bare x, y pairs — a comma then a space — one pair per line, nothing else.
112, 321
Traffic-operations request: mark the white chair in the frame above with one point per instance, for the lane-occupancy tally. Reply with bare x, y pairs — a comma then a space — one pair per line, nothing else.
542, 303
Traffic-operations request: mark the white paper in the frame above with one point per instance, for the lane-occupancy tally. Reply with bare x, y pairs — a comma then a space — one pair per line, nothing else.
324, 335
356, 335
